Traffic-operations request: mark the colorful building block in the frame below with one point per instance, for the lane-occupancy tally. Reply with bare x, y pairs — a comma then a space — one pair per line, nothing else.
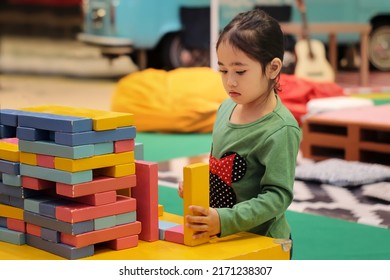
195, 192
99, 184
93, 137
146, 194
163, 226
96, 199
11, 212
33, 134
12, 236
97, 236
9, 151
124, 146
75, 165
37, 184
116, 171
123, 243
175, 234
9, 167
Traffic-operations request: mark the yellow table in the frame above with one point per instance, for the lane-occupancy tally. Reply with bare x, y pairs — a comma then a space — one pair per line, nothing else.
239, 246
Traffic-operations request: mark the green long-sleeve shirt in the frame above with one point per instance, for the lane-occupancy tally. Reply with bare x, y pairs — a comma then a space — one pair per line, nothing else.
252, 169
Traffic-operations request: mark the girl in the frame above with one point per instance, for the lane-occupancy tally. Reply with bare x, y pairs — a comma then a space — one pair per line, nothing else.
255, 137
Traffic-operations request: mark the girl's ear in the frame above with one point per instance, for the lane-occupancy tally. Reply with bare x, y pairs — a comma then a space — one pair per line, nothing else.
274, 68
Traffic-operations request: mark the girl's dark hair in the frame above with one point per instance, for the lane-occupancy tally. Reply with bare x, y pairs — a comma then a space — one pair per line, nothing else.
258, 35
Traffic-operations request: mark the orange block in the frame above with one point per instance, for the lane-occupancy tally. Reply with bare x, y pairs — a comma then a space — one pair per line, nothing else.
146, 194
74, 213
98, 236
99, 184
123, 243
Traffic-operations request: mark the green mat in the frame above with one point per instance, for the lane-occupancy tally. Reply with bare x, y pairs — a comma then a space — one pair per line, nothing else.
315, 237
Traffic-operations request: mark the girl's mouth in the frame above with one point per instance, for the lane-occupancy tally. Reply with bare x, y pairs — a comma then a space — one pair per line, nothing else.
234, 94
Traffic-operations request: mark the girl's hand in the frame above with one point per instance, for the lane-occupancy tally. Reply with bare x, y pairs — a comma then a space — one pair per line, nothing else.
204, 221
180, 189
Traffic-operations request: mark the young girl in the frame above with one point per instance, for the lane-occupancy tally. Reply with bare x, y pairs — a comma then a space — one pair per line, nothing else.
255, 138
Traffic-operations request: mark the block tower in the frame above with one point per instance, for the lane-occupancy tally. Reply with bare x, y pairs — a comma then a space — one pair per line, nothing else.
71, 178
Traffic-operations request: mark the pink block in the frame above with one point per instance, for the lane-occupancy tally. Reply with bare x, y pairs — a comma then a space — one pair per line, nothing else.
37, 184
124, 146
45, 161
99, 184
78, 212
97, 198
146, 194
10, 140
175, 234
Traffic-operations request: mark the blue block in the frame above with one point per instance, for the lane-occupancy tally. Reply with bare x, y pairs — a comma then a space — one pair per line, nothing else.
93, 137
17, 201
9, 117
7, 131
4, 199
69, 228
60, 249
52, 149
50, 235
56, 175
32, 134
163, 226
54, 122
3, 222
9, 167
17, 191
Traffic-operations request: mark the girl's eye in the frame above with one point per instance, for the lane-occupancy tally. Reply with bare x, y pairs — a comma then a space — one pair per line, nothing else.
223, 71
240, 72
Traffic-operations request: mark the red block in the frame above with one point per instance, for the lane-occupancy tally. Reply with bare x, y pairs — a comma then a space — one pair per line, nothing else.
15, 224
99, 184
76, 212
33, 230
146, 194
175, 234
98, 236
97, 198
45, 161
123, 243
124, 146
37, 184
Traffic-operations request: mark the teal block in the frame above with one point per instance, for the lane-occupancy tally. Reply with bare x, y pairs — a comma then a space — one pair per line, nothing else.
32, 204
103, 148
163, 226
60, 249
12, 180
126, 218
93, 137
56, 175
139, 151
104, 222
53, 149
12, 236
54, 122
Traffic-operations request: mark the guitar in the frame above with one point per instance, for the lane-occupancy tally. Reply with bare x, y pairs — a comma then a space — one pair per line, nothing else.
311, 56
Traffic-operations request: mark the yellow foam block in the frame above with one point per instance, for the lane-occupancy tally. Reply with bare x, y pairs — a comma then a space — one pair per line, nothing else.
9, 151
74, 165
11, 212
195, 192
102, 120
243, 246
28, 158
119, 170
160, 210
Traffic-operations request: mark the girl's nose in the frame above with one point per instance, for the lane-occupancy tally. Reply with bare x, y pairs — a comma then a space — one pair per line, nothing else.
232, 83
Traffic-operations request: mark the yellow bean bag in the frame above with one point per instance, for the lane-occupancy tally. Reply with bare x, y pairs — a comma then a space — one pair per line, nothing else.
180, 100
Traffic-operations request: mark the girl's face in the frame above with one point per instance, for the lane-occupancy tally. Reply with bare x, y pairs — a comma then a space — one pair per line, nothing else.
242, 77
